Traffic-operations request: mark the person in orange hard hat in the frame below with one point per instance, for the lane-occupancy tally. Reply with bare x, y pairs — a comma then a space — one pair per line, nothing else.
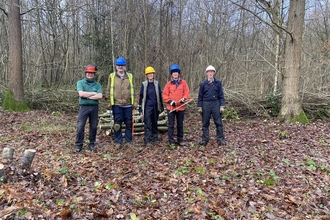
90, 92
150, 106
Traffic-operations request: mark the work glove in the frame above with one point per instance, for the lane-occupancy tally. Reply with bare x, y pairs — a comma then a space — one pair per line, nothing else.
200, 110
182, 100
222, 109
172, 103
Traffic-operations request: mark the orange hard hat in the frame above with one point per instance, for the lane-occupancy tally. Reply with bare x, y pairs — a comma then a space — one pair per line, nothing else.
90, 68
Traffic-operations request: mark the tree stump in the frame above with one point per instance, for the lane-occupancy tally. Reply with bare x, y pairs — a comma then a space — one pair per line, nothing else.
28, 158
8, 153
2, 172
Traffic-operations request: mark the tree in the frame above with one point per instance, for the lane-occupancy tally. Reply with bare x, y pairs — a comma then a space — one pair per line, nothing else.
291, 109
14, 99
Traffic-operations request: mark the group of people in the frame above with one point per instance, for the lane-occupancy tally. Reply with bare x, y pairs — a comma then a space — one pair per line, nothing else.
120, 93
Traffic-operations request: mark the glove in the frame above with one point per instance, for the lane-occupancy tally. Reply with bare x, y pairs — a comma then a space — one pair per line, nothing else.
200, 110
222, 109
172, 103
182, 100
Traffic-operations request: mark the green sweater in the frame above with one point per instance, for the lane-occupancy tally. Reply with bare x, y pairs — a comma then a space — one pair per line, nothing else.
86, 86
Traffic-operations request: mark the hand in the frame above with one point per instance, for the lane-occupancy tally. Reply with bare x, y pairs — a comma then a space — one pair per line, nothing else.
222, 109
172, 103
182, 100
200, 110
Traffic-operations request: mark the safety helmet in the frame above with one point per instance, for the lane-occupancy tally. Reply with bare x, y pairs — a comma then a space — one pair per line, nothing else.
120, 62
210, 67
90, 68
149, 69
175, 68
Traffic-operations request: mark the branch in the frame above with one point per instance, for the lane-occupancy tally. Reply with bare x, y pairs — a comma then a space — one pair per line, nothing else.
4, 11
248, 10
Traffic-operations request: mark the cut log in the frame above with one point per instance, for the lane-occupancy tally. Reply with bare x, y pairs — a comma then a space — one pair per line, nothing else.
8, 153
2, 172
28, 158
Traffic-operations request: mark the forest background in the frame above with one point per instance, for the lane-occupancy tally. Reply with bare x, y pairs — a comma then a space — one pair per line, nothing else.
268, 170
244, 40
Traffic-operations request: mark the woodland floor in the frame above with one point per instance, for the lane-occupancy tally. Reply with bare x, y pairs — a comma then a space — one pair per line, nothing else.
268, 170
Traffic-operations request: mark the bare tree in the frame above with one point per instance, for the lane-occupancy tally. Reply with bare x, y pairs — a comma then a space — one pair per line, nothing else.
15, 51
291, 101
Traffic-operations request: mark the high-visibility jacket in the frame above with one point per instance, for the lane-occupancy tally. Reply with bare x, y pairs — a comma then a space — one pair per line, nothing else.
120, 90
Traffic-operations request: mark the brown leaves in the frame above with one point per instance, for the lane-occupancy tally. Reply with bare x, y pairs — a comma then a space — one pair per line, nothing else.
258, 173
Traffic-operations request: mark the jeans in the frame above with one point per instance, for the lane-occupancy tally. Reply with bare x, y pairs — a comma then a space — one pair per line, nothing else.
123, 114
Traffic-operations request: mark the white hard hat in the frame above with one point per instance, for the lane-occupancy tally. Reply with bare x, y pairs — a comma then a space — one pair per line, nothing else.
210, 67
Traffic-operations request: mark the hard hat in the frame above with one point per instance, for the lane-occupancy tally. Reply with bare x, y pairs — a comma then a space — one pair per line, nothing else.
210, 67
90, 68
120, 62
149, 69
175, 68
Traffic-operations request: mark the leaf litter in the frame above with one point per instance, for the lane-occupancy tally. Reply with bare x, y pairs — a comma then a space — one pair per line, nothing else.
268, 170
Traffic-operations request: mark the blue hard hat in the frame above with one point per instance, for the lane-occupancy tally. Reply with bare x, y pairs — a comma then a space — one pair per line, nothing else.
120, 62
175, 68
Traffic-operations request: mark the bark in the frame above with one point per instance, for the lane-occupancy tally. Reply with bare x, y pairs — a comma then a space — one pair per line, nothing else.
15, 51
291, 101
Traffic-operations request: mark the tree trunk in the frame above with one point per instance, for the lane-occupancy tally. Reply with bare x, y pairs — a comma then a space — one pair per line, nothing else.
15, 51
291, 101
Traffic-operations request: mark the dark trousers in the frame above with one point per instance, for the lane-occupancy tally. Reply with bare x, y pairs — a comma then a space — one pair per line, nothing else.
150, 124
212, 108
89, 112
179, 115
120, 115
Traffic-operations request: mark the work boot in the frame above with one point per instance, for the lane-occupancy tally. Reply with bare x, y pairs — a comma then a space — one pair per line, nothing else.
78, 149
92, 147
148, 144
222, 142
203, 143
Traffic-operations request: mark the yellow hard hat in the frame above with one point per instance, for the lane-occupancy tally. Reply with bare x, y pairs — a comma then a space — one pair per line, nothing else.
149, 69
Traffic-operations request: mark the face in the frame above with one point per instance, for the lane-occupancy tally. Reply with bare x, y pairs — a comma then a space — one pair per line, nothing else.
150, 76
120, 69
210, 74
90, 76
175, 75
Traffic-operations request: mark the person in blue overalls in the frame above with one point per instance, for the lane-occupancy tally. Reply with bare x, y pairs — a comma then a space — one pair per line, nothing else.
211, 101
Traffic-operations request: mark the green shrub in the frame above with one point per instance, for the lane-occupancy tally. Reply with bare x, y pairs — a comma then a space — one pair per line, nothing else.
273, 102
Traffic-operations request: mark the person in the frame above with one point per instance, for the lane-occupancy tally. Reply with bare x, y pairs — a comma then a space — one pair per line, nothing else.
90, 92
150, 106
176, 93
211, 101
121, 91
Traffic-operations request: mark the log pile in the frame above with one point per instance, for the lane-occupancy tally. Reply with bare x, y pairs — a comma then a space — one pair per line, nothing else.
106, 122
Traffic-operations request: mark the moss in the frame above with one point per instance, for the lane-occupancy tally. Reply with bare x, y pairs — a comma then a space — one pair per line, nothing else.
301, 118
10, 104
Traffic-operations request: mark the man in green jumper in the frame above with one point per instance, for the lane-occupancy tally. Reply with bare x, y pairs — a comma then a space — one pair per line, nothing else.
90, 92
